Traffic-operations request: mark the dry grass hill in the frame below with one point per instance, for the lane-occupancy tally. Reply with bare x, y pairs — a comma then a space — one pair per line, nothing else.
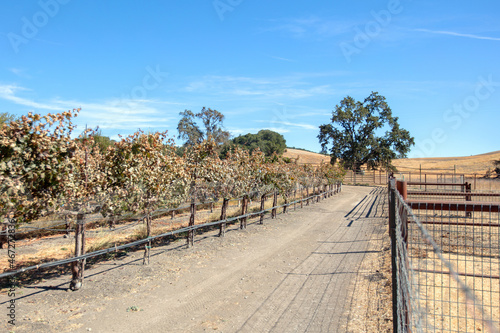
475, 164
306, 157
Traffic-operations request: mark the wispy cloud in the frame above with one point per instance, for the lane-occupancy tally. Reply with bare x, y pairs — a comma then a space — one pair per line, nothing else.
21, 72
294, 86
282, 59
456, 34
113, 113
9, 93
307, 27
290, 124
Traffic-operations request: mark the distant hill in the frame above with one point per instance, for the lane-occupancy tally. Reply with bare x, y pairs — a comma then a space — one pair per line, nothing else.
306, 157
478, 164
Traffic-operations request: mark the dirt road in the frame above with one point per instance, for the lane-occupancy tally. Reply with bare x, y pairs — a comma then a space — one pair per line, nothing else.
296, 273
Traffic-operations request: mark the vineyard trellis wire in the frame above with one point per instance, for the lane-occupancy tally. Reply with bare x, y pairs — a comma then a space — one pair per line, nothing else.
438, 283
80, 258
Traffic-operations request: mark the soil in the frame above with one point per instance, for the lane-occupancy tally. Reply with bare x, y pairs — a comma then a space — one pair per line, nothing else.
316, 269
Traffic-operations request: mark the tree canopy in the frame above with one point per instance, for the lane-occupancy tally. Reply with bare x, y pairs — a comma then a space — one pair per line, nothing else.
6, 117
356, 134
212, 120
101, 141
496, 163
267, 141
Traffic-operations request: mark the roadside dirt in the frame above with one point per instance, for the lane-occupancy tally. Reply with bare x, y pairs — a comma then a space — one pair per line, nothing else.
311, 270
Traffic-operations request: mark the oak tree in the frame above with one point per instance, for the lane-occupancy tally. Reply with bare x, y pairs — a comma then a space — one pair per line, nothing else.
212, 120
364, 133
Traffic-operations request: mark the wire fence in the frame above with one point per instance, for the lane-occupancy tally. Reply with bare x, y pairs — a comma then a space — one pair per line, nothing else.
379, 177
445, 259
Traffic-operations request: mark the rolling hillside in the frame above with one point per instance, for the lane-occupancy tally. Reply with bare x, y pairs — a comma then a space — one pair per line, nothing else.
306, 157
478, 164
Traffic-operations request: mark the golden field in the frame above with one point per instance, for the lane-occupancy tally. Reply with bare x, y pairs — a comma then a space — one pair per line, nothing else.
475, 164
306, 157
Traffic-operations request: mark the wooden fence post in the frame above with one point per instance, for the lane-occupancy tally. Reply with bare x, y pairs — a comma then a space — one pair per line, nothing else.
4, 237
262, 207
295, 199
77, 267
307, 195
190, 235
222, 227
468, 197
147, 246
243, 220
285, 206
111, 223
68, 224
84, 261
275, 203
301, 195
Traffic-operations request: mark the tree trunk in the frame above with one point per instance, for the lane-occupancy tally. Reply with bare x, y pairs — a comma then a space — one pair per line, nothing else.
77, 267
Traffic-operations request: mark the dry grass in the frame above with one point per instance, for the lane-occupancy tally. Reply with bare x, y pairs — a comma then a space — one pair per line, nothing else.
102, 238
48, 252
473, 252
306, 157
446, 306
475, 164
372, 294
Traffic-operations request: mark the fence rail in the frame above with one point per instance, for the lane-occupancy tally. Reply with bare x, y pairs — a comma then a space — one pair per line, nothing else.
446, 264
424, 176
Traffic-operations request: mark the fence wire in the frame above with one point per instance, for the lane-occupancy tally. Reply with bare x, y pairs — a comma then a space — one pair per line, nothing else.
447, 270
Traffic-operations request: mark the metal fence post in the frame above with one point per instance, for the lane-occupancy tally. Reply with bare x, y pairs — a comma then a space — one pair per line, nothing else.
392, 234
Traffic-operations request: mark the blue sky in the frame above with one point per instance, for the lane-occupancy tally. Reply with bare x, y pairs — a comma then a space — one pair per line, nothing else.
277, 64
